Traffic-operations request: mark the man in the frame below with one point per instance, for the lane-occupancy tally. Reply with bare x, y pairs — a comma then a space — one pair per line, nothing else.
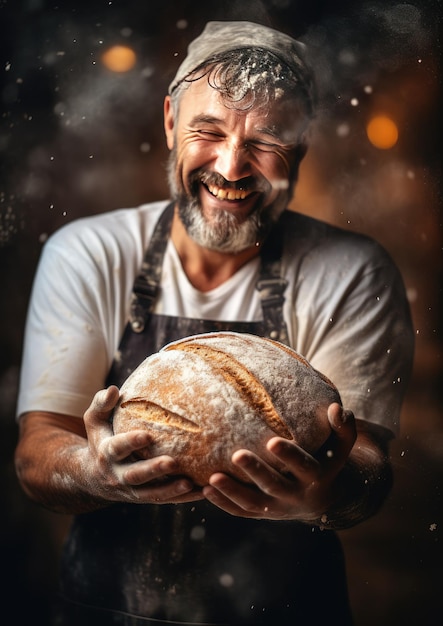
147, 546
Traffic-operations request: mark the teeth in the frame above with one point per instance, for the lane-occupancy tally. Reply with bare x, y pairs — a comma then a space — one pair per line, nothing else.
228, 194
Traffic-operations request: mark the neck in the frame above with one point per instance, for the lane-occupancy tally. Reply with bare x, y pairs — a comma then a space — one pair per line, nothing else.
204, 268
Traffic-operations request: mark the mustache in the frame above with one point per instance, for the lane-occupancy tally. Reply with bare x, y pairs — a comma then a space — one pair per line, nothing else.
248, 183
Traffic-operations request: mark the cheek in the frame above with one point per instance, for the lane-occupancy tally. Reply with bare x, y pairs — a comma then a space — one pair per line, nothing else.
191, 157
278, 172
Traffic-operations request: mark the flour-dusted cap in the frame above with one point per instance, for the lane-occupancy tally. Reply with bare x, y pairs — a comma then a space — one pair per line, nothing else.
219, 37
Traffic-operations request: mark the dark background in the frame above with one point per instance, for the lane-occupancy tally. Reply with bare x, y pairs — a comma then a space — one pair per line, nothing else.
77, 139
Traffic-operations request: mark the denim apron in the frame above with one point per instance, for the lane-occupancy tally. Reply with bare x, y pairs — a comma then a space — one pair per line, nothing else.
192, 563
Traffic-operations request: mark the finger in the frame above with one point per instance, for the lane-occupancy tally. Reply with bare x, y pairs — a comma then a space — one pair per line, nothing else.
334, 453
215, 493
341, 419
344, 434
269, 480
145, 471
121, 446
190, 496
295, 460
236, 498
153, 483
105, 400
101, 407
216, 498
174, 492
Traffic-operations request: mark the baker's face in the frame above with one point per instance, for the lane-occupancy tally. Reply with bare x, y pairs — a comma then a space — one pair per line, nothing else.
231, 171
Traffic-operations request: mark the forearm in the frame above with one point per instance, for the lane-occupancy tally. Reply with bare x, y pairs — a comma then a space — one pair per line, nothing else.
50, 464
362, 485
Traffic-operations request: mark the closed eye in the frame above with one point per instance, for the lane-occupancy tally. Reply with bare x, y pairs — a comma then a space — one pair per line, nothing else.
263, 145
266, 146
209, 133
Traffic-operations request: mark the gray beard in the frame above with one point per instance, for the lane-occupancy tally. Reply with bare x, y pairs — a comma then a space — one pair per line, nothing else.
224, 233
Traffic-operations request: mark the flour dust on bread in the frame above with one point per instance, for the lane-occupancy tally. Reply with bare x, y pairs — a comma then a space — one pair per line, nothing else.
206, 396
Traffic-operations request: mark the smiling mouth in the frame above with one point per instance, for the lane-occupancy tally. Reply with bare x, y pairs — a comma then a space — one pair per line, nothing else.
223, 193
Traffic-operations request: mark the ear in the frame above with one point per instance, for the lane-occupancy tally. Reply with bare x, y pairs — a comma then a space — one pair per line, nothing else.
299, 154
169, 122
301, 150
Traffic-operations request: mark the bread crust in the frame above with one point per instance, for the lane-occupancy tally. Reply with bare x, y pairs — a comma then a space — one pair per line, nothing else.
206, 396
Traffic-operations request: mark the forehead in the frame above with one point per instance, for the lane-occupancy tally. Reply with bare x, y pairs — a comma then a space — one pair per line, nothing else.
282, 113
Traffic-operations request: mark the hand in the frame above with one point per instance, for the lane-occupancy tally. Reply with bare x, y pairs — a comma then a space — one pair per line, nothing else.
304, 492
114, 475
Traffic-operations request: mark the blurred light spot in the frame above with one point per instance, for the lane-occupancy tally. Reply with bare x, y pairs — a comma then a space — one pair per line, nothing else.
119, 59
198, 533
147, 72
343, 130
226, 580
347, 57
382, 132
182, 24
354, 102
282, 183
412, 294
367, 89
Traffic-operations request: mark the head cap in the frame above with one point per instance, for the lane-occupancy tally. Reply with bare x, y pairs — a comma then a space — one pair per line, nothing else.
219, 37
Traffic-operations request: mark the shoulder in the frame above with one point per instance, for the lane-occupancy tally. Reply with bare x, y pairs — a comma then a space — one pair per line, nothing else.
116, 226
315, 239
99, 251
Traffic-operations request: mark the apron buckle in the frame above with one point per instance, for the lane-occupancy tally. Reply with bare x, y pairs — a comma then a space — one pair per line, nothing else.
271, 290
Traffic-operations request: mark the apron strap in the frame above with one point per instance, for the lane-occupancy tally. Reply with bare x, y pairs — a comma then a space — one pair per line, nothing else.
147, 283
271, 285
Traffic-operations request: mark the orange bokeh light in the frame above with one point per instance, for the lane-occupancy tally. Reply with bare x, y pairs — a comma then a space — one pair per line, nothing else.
382, 132
119, 59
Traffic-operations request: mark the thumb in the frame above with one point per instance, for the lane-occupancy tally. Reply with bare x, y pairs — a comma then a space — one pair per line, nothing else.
105, 399
101, 406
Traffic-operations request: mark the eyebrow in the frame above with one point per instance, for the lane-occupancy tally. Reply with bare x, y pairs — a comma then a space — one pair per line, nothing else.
202, 118
267, 130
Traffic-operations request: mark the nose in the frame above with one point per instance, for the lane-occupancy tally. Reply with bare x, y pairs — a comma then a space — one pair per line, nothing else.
232, 160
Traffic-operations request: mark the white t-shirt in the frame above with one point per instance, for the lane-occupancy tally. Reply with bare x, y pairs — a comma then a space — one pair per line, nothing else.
345, 309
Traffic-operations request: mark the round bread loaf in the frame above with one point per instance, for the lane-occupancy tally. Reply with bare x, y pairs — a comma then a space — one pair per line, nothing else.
206, 396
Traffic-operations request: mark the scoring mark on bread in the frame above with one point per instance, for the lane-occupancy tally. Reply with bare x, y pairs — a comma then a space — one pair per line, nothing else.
153, 413
241, 379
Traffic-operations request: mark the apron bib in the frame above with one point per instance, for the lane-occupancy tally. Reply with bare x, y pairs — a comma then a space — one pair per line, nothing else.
192, 563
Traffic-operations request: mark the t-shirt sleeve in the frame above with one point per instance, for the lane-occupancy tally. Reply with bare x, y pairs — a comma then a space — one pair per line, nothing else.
353, 323
65, 360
